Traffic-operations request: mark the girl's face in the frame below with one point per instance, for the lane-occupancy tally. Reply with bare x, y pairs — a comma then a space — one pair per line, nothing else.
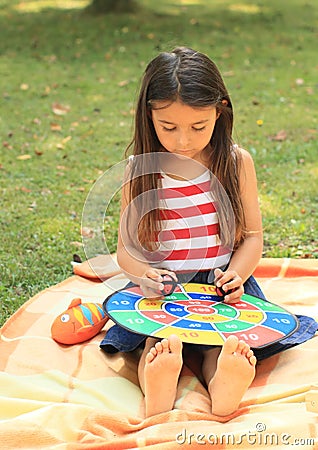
182, 129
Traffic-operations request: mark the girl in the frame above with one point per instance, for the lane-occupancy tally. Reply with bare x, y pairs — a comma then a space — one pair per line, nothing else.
189, 209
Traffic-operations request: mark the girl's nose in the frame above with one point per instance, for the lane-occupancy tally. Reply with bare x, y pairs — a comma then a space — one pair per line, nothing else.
183, 140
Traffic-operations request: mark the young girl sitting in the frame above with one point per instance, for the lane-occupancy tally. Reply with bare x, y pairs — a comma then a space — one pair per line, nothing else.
189, 209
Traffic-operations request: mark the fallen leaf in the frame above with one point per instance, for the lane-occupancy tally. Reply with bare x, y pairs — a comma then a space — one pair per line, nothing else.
24, 87
55, 126
87, 232
59, 109
229, 73
61, 145
77, 244
24, 157
66, 139
123, 83
279, 136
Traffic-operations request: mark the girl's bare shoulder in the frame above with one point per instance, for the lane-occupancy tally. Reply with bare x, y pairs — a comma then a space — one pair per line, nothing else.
245, 159
241, 153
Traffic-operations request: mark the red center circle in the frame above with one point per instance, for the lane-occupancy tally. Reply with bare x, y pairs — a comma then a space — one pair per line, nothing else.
201, 309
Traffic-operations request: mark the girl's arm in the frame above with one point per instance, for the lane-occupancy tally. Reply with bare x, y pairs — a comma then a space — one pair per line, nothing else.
131, 261
247, 256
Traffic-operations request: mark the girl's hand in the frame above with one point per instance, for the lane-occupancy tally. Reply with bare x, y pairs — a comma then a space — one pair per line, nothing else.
151, 282
229, 280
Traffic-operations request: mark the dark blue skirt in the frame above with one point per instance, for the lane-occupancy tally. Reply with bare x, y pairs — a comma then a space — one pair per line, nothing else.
118, 339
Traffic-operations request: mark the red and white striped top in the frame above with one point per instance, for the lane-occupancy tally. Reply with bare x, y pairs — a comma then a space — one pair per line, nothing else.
189, 236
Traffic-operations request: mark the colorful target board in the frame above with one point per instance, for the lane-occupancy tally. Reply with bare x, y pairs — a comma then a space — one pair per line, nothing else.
198, 315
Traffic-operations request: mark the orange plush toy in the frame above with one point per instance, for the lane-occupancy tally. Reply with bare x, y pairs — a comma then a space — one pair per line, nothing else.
80, 322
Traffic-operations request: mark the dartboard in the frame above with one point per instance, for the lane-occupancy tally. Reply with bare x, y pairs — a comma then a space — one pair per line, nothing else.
198, 315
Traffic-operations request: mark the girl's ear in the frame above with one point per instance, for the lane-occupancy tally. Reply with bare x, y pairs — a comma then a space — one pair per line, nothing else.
219, 112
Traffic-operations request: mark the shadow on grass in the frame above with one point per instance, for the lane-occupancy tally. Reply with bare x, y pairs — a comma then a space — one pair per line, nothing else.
35, 24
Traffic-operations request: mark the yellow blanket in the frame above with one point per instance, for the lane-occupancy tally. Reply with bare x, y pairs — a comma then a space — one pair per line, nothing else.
77, 397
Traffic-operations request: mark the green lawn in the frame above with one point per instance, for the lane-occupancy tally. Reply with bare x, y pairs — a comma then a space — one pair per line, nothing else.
68, 84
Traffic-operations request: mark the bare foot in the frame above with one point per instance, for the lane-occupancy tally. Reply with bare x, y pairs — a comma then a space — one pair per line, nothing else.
163, 364
235, 372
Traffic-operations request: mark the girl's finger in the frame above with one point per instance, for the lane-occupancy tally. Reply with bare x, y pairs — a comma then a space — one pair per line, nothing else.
234, 283
218, 275
169, 272
150, 293
151, 286
153, 275
235, 296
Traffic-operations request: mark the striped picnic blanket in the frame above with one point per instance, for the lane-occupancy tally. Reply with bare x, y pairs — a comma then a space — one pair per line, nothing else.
77, 397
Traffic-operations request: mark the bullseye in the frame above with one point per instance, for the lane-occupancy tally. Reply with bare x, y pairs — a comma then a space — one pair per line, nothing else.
198, 315
201, 310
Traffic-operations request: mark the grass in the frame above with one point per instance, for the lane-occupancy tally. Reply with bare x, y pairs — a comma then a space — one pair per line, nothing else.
68, 84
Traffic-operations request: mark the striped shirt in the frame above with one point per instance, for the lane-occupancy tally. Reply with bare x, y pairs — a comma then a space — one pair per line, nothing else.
189, 237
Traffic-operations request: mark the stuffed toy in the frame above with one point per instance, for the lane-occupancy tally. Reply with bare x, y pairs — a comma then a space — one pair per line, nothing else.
80, 322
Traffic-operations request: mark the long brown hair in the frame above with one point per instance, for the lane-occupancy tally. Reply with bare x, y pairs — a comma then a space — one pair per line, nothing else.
193, 79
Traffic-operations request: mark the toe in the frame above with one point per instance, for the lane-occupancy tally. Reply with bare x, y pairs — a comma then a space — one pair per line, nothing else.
175, 344
149, 358
253, 360
153, 351
241, 348
230, 345
165, 345
246, 348
159, 347
150, 342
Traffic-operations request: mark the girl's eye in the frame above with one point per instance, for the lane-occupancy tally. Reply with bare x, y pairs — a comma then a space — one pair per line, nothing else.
168, 129
199, 129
